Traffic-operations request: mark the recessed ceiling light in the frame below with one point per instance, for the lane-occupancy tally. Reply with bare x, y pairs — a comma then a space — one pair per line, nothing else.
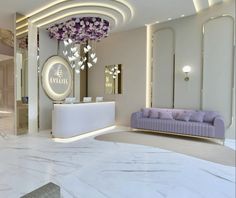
182, 15
157, 21
169, 19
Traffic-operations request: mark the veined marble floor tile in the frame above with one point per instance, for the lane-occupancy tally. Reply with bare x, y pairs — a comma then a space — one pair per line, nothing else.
89, 168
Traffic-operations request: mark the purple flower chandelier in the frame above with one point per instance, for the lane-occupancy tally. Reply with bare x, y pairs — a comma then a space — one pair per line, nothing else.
80, 31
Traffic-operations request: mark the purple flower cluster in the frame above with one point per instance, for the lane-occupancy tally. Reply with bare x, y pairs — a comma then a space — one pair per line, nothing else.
81, 29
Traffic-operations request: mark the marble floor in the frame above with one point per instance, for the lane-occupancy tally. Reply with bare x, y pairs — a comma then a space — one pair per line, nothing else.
89, 168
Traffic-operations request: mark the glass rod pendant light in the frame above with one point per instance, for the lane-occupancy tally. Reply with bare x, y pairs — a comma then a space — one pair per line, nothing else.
77, 33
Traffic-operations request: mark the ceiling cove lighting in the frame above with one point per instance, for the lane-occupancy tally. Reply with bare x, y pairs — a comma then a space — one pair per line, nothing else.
122, 12
80, 12
22, 32
115, 8
196, 5
112, 17
83, 136
128, 5
78, 5
22, 26
40, 10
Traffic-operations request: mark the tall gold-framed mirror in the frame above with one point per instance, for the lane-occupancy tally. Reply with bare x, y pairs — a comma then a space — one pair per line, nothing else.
113, 79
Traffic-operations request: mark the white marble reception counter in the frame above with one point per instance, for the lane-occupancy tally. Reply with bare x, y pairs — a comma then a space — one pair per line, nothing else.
69, 120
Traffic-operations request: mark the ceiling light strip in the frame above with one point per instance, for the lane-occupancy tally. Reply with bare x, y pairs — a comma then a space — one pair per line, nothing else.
78, 12
22, 26
22, 32
40, 10
121, 12
127, 5
61, 1
73, 13
74, 6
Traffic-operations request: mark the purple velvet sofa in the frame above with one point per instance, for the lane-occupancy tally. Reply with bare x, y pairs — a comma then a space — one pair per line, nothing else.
180, 121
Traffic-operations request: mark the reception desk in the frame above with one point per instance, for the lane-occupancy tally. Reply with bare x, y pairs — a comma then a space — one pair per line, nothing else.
69, 120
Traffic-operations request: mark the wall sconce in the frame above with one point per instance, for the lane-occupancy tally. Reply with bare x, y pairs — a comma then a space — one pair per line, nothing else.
186, 69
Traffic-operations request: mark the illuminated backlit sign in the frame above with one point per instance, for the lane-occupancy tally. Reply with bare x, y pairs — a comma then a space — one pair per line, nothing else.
57, 78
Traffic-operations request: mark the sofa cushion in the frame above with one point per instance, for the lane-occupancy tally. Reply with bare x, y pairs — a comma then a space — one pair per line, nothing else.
154, 113
184, 116
197, 116
210, 116
145, 112
165, 115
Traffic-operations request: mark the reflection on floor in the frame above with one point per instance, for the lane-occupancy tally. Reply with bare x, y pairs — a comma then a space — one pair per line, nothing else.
6, 122
96, 169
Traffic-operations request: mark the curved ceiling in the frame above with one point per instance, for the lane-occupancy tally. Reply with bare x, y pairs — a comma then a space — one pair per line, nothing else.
123, 14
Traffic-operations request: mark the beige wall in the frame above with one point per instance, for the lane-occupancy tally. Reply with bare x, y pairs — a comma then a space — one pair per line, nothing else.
128, 49
45, 103
188, 42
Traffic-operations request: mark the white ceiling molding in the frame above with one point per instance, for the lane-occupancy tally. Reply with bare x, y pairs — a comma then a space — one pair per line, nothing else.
41, 9
203, 4
117, 12
92, 12
130, 14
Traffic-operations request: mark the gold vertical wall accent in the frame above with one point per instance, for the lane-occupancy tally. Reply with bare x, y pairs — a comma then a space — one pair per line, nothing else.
148, 65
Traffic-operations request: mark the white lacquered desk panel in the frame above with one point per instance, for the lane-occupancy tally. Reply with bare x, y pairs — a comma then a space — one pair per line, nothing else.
69, 120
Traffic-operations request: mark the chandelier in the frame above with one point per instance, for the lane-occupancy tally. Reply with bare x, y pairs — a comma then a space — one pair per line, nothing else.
80, 32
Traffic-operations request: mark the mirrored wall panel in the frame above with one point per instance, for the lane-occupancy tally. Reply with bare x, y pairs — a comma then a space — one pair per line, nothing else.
22, 78
218, 66
113, 79
7, 110
163, 69
7, 102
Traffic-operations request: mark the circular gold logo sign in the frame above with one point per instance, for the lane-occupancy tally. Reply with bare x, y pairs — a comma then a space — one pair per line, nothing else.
57, 78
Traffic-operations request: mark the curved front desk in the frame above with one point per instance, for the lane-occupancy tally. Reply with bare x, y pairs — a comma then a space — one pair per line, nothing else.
69, 120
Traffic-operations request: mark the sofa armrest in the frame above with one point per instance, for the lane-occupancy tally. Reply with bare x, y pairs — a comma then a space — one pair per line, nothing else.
134, 119
219, 127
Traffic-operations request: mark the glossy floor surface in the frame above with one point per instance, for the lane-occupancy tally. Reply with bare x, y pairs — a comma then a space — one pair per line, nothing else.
96, 169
